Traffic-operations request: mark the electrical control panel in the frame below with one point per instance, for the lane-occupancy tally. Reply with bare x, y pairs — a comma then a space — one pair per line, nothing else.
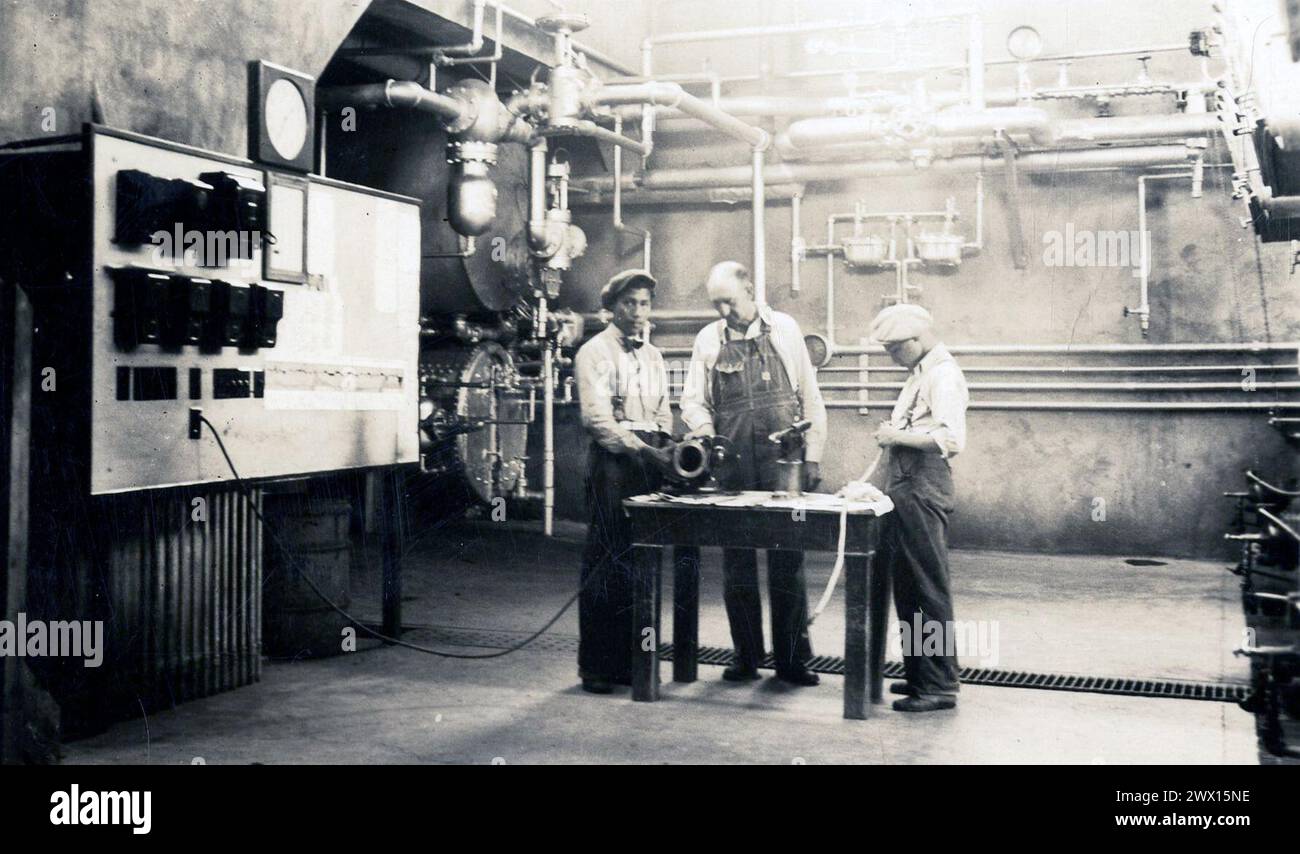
299, 377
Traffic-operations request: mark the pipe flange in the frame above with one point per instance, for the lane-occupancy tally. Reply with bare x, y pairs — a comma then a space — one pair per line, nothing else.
472, 151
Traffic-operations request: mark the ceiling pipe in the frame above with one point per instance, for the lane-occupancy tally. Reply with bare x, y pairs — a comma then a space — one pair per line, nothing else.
660, 93
1146, 156
729, 196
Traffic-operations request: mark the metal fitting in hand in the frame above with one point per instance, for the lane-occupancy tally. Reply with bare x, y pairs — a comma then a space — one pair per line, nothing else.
699, 459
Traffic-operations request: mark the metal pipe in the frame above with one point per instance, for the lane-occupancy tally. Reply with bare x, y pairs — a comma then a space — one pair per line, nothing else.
977, 245
861, 131
618, 199
1019, 250
796, 242
588, 128
673, 95
1078, 369
711, 196
830, 285
548, 420
590, 52
1143, 310
1147, 156
1092, 349
1051, 386
1093, 406
758, 208
394, 93
475, 43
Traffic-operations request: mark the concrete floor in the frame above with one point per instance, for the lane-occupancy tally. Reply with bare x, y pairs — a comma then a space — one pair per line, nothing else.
1086, 615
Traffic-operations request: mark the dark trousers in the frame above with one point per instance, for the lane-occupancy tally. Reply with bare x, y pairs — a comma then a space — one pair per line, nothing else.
788, 594
605, 630
914, 546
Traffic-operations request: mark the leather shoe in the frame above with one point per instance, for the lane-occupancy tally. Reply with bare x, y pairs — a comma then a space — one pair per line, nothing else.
597, 686
924, 704
736, 673
802, 678
901, 687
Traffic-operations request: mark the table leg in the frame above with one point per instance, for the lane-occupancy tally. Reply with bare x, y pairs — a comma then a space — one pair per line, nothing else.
878, 621
646, 562
390, 538
856, 570
686, 613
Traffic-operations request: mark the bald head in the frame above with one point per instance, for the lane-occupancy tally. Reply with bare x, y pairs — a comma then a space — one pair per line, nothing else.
732, 293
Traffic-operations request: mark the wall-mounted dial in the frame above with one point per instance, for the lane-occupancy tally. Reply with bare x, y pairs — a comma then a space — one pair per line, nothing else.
282, 116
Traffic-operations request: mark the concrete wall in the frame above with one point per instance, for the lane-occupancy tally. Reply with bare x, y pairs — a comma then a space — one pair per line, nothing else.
172, 69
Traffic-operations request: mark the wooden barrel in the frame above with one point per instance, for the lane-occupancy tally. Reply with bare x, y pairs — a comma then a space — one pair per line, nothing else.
296, 622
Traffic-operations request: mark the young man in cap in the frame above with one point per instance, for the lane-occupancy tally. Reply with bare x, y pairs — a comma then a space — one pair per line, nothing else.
926, 429
623, 393
750, 376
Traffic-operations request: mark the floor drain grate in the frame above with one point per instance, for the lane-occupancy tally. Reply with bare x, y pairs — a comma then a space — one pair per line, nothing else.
1221, 692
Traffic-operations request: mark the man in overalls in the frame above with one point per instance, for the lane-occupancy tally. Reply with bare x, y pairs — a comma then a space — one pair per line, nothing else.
926, 429
623, 394
750, 375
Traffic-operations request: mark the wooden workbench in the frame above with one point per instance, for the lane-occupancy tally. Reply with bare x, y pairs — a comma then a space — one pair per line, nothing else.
658, 523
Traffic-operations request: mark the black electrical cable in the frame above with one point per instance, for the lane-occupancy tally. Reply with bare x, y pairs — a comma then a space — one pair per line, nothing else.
293, 561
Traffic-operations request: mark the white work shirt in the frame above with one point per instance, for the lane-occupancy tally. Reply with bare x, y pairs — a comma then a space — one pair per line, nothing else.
605, 369
933, 401
787, 340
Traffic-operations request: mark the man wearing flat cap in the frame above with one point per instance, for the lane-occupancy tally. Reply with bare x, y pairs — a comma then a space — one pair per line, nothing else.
925, 430
623, 394
750, 376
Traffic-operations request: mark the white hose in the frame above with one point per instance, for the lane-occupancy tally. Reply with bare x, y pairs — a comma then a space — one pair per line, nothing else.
839, 549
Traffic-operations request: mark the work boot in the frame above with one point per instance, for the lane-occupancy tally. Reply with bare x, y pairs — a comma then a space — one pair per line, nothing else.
736, 673
597, 686
901, 687
801, 678
918, 703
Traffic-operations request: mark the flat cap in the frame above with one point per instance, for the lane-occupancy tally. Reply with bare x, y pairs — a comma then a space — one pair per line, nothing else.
622, 281
900, 322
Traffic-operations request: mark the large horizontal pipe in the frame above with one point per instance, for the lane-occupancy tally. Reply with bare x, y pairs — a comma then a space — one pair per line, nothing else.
1094, 405
1066, 349
714, 196
795, 107
1050, 386
1073, 369
673, 95
1144, 157
816, 133
393, 93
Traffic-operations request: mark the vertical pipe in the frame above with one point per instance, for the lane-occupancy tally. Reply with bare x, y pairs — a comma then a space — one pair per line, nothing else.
760, 247
548, 422
1144, 258
796, 245
830, 281
647, 110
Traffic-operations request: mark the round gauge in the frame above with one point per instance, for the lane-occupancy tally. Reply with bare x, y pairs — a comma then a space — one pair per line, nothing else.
1024, 43
285, 118
819, 349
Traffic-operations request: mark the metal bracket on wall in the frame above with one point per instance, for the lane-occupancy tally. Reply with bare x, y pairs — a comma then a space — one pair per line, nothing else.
1015, 226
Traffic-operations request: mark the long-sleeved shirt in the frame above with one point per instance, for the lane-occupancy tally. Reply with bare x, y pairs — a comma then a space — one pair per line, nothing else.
787, 340
605, 369
933, 401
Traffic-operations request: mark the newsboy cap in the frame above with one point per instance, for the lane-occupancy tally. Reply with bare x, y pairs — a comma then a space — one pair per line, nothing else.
622, 281
900, 322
